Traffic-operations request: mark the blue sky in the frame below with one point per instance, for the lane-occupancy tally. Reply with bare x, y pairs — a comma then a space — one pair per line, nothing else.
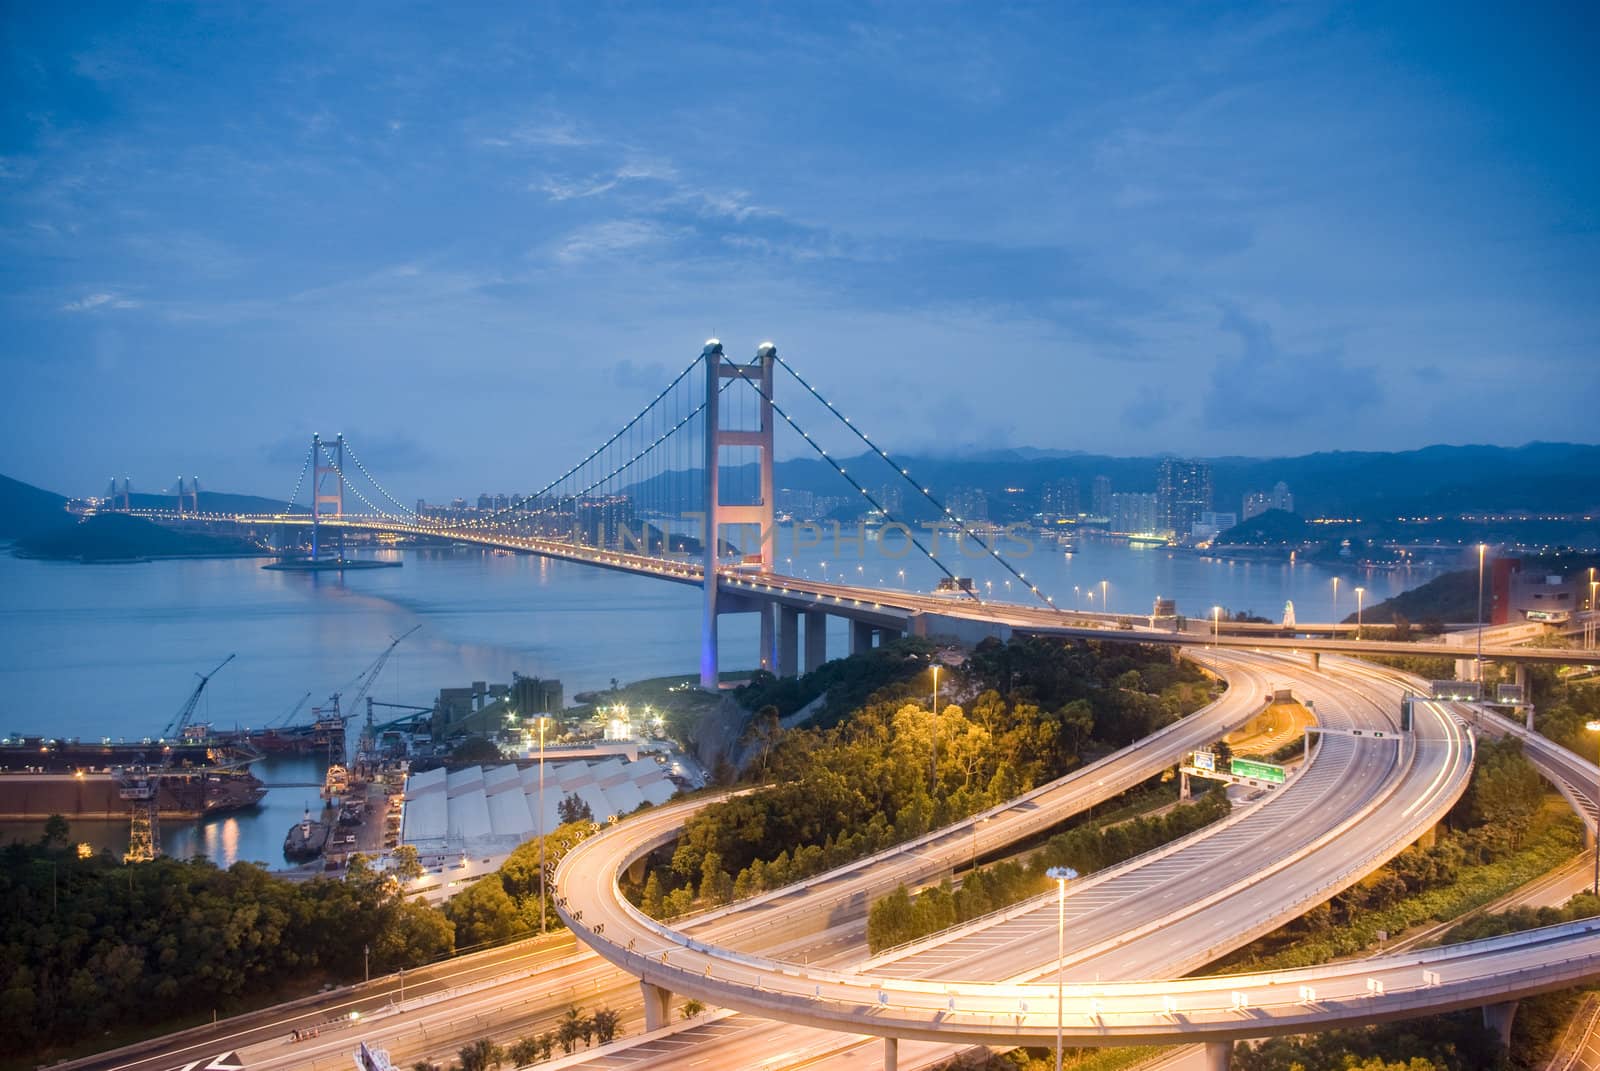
476, 238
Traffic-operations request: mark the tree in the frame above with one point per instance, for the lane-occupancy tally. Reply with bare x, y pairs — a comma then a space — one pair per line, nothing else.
691, 1008
572, 808
475, 750
524, 1051
483, 913
763, 733
56, 832
404, 863
605, 1022
574, 1025
481, 1055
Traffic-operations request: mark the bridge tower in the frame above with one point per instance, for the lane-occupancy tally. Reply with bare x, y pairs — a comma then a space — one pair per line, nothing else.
321, 497
191, 496
718, 514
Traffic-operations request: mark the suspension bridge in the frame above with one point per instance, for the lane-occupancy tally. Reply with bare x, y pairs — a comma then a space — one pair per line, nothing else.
684, 491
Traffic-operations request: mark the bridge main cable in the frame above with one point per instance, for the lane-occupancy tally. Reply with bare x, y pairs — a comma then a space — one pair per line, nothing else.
905, 474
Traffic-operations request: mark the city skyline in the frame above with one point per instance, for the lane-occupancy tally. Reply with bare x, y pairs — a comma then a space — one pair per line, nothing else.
1194, 235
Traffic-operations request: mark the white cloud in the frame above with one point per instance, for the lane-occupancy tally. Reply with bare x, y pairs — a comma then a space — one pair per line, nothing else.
612, 236
99, 300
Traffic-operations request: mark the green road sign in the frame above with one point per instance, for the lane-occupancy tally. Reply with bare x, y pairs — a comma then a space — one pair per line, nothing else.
1261, 771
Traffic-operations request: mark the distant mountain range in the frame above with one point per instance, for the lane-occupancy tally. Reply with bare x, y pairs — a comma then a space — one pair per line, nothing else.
1541, 477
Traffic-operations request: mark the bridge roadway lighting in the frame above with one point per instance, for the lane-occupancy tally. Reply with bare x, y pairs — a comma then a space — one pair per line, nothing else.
1594, 727
1060, 875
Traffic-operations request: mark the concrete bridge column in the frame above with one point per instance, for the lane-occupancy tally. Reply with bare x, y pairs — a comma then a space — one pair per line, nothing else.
657, 1006
816, 639
769, 639
788, 642
1183, 785
1521, 678
886, 635
1497, 1017
860, 637
891, 1053
1219, 1055
1316, 661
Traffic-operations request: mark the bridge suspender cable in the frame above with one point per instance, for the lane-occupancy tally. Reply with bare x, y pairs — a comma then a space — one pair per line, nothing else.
776, 408
923, 491
521, 500
351, 486
374, 480
304, 465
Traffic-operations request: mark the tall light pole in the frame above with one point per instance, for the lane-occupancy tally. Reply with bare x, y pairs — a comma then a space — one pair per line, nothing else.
1105, 601
541, 825
1060, 875
1216, 627
1335, 602
1360, 592
933, 751
1481, 549
1594, 727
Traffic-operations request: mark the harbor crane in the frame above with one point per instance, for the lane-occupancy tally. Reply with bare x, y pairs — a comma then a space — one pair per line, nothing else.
180, 721
369, 676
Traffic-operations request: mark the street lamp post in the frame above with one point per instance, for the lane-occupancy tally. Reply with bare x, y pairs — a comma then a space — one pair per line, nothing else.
1105, 601
1060, 875
1594, 727
541, 825
1335, 602
933, 751
1360, 593
1481, 549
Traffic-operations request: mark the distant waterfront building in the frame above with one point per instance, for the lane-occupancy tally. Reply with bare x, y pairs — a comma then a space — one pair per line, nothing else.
893, 500
796, 503
458, 504
1133, 513
968, 503
1060, 498
486, 501
1183, 493
1212, 524
1517, 597
502, 501
1258, 502
1100, 496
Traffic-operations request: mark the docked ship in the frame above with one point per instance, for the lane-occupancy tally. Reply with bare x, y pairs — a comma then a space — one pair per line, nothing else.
323, 735
306, 840
82, 779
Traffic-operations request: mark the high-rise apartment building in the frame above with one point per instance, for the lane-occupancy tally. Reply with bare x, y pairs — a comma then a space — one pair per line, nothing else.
1060, 498
1258, 502
1133, 513
1100, 496
1183, 492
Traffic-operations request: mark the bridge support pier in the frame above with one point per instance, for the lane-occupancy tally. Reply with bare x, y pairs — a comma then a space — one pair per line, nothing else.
788, 642
860, 637
1316, 661
816, 639
1521, 678
891, 1053
1183, 785
657, 1006
1219, 1055
1497, 1017
769, 638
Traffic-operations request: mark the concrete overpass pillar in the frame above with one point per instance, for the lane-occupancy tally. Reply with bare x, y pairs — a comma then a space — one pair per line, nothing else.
891, 1053
1316, 661
657, 1006
788, 642
860, 637
816, 639
1521, 678
769, 639
1219, 1055
1497, 1017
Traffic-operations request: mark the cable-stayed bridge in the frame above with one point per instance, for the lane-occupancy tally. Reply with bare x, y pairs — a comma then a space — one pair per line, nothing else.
684, 491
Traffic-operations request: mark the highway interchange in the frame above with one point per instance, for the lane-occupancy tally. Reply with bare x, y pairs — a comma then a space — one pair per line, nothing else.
1358, 803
